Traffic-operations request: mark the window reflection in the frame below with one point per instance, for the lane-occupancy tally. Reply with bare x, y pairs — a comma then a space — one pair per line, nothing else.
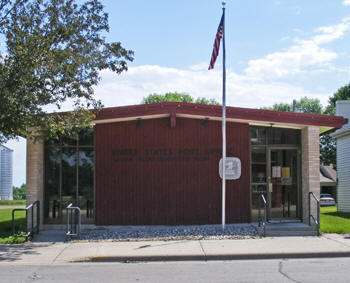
52, 177
274, 135
86, 180
69, 177
86, 137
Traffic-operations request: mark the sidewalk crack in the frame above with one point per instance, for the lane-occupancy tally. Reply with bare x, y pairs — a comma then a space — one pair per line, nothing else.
280, 267
57, 256
337, 241
205, 255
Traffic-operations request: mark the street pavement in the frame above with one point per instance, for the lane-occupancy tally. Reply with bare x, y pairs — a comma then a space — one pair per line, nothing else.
277, 270
50, 248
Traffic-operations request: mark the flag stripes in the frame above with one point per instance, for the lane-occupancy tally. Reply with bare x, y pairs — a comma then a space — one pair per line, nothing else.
216, 46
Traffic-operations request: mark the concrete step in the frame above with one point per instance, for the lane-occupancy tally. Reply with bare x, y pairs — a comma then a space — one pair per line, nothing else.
290, 229
290, 233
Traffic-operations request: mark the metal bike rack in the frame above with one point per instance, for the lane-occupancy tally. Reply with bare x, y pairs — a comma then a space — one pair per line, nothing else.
73, 221
262, 220
34, 227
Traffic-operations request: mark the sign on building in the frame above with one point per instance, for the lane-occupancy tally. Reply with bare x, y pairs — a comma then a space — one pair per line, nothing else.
232, 168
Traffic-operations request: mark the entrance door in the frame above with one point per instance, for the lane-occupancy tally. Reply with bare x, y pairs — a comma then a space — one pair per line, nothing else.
283, 184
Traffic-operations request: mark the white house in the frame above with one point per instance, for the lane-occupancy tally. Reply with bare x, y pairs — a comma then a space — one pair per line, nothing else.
343, 157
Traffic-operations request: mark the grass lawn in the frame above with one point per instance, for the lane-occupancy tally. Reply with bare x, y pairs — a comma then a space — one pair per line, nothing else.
6, 226
12, 202
333, 221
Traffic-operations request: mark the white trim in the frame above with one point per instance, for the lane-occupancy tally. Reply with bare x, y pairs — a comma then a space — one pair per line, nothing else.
341, 133
202, 117
114, 120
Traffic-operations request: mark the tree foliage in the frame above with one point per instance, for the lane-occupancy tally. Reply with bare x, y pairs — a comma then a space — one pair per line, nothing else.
54, 50
311, 105
177, 97
327, 143
304, 105
280, 107
19, 193
342, 94
328, 150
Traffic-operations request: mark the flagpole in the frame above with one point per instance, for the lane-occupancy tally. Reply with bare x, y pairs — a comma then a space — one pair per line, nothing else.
223, 120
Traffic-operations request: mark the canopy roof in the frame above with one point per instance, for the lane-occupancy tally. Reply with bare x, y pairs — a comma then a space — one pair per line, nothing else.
213, 112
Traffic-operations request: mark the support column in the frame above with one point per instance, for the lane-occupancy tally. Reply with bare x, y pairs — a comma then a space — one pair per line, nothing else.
35, 174
310, 159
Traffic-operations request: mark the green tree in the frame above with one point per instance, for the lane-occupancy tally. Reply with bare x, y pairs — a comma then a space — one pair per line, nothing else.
342, 94
53, 52
311, 105
304, 105
328, 150
176, 97
280, 107
168, 97
210, 101
19, 193
327, 143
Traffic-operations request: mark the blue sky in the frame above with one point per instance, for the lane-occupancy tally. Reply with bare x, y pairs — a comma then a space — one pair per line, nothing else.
277, 50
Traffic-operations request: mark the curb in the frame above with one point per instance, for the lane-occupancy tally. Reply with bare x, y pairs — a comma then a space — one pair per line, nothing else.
159, 258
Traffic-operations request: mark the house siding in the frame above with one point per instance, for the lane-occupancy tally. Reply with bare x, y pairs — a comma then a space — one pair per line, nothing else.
343, 165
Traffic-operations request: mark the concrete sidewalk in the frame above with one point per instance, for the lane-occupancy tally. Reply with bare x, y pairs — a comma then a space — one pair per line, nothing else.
59, 252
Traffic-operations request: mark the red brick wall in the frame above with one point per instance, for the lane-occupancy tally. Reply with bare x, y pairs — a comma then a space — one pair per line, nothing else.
152, 174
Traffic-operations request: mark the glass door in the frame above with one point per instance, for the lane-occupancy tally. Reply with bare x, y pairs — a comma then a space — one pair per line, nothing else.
283, 184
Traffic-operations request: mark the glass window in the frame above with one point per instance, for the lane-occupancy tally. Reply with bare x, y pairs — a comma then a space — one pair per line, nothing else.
69, 177
67, 141
86, 181
284, 136
258, 135
52, 180
86, 137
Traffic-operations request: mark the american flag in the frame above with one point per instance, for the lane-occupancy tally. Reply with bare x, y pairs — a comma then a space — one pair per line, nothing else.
216, 46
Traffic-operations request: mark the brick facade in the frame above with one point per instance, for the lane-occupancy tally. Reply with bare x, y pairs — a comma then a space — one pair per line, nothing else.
35, 174
310, 168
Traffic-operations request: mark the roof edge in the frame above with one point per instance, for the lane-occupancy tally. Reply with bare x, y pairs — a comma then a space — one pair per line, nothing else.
216, 111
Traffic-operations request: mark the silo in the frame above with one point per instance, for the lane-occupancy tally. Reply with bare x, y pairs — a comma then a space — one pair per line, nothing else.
6, 169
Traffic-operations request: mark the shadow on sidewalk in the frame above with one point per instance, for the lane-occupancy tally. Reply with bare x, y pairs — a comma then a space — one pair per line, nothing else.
15, 252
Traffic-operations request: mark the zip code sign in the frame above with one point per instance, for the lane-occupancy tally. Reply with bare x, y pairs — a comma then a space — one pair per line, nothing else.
232, 168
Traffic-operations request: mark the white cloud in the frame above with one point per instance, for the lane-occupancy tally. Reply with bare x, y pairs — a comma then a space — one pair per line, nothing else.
200, 67
346, 2
242, 91
289, 62
285, 38
300, 56
331, 33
